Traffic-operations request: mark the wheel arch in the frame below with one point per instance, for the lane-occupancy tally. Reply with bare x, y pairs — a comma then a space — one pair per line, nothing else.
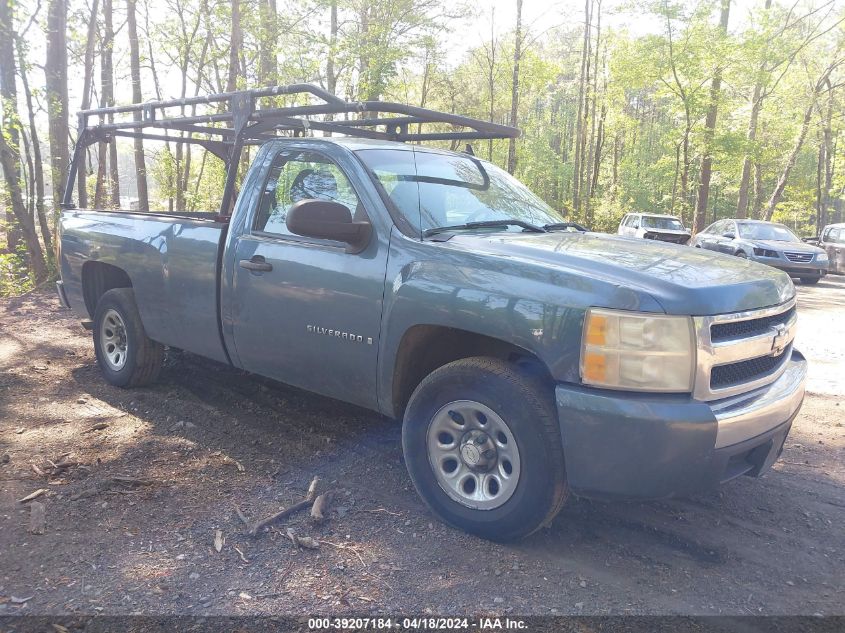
97, 279
424, 348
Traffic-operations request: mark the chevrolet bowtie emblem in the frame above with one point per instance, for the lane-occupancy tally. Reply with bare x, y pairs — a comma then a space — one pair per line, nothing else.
780, 339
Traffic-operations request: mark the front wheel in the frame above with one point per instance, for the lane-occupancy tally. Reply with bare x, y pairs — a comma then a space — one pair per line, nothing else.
810, 281
127, 357
483, 449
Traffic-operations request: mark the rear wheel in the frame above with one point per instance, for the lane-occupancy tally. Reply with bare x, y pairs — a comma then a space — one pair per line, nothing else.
127, 357
810, 281
741, 254
483, 449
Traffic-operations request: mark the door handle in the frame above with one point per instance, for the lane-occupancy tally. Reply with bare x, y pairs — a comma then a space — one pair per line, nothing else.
256, 264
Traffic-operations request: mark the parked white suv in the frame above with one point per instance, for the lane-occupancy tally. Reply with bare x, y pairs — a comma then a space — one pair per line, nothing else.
650, 226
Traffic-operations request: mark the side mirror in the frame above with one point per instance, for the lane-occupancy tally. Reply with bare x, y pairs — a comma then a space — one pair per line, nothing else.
730, 235
327, 220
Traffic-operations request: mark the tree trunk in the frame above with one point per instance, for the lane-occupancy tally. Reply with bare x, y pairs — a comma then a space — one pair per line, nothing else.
710, 131
108, 155
750, 138
55, 72
757, 203
37, 164
579, 121
10, 148
751, 135
87, 84
10, 166
10, 124
517, 54
137, 97
826, 151
235, 45
491, 78
365, 88
593, 143
267, 67
331, 76
777, 194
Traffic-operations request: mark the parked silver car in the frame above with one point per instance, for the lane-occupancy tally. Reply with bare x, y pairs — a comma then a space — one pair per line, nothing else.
651, 226
832, 240
767, 243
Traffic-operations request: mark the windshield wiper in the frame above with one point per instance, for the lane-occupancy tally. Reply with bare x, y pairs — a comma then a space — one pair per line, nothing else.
562, 226
485, 224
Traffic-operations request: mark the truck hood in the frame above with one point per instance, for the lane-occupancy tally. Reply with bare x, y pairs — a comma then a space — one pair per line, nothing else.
682, 279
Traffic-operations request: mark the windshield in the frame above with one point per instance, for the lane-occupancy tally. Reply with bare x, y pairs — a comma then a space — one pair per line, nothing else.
433, 190
667, 224
773, 232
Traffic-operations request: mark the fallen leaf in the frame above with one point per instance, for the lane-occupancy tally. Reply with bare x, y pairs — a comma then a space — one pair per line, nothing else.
16, 600
244, 595
33, 495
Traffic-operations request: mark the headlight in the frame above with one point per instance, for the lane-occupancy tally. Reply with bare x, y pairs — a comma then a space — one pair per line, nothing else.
638, 352
821, 257
764, 252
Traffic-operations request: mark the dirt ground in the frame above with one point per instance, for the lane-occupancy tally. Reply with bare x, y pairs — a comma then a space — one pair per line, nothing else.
208, 439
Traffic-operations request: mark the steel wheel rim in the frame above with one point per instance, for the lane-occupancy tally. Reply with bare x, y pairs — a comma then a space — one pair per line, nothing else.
113, 340
473, 454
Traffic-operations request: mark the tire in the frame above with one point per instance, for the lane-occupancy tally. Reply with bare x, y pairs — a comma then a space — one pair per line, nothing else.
485, 393
810, 281
127, 357
741, 255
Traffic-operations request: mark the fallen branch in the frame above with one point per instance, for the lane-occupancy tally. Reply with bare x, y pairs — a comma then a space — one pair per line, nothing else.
321, 506
33, 495
296, 507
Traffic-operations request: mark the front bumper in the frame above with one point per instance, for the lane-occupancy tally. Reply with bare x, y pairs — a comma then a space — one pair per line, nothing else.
651, 446
794, 269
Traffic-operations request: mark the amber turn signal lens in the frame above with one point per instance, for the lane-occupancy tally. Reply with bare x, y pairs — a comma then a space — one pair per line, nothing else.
595, 367
596, 329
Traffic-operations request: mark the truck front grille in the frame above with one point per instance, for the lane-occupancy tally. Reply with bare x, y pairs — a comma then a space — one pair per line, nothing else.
743, 351
752, 327
799, 257
746, 370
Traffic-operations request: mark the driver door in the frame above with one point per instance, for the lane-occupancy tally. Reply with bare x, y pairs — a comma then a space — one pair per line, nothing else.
304, 311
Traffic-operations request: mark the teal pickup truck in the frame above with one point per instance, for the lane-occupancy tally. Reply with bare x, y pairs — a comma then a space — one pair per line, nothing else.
526, 360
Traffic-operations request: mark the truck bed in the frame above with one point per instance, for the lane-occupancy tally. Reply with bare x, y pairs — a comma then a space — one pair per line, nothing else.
171, 261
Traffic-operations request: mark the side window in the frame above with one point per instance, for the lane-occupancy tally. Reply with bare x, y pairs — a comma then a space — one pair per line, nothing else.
625, 220
635, 221
835, 235
711, 229
299, 175
730, 227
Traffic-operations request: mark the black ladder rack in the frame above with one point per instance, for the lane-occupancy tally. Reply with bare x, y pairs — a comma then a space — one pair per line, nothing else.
241, 119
